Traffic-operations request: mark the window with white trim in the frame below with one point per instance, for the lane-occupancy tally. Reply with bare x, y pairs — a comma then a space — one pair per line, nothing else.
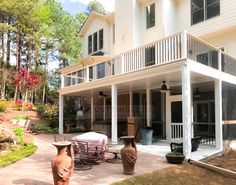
150, 16
202, 10
95, 42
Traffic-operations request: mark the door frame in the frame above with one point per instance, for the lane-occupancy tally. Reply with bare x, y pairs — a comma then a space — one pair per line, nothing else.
169, 99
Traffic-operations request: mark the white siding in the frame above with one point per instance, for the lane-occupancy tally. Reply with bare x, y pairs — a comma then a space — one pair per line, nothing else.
227, 18
170, 17
98, 24
226, 40
124, 21
156, 32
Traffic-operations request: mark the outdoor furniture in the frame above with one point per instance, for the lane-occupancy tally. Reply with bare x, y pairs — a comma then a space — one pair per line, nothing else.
178, 147
81, 156
116, 159
94, 144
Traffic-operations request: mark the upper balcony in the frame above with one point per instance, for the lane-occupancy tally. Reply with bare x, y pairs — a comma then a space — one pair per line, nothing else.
170, 49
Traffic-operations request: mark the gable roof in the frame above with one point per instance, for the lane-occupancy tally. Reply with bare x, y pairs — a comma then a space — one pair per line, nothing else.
108, 17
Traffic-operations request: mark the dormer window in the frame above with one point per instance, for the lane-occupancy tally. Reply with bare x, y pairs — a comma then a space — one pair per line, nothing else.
90, 44
95, 42
204, 9
150, 16
101, 39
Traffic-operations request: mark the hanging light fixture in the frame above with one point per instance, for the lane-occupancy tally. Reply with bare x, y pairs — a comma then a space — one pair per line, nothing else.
196, 93
164, 87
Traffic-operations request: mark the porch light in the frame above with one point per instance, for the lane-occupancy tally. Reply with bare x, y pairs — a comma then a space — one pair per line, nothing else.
164, 87
196, 93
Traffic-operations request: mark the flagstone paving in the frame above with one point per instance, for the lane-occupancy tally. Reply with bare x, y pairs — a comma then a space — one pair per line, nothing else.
36, 169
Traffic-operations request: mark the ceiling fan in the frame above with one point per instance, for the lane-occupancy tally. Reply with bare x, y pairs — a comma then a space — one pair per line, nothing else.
165, 89
101, 94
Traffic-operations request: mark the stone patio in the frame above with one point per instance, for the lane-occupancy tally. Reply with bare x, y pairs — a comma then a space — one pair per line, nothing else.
36, 169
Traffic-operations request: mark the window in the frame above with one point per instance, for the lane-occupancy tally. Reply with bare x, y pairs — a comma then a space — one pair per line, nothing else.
204, 9
95, 42
90, 44
101, 39
150, 16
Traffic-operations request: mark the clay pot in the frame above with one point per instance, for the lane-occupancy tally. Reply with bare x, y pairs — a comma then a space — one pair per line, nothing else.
63, 163
128, 155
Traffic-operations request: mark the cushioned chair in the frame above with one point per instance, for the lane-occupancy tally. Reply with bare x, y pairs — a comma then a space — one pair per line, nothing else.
178, 147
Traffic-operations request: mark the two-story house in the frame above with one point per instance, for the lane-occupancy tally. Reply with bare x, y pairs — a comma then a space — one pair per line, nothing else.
165, 64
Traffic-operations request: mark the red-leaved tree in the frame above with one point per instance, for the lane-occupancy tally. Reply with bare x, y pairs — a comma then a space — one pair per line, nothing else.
25, 81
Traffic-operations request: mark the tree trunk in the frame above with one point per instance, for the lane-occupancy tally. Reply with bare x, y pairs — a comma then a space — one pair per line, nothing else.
16, 92
8, 44
4, 81
3, 50
18, 51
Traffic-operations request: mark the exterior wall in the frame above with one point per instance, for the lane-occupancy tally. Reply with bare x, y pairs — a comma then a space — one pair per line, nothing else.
227, 18
156, 32
170, 17
123, 22
130, 20
226, 40
97, 24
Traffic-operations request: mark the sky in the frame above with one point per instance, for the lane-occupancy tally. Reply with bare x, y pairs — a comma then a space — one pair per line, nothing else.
73, 6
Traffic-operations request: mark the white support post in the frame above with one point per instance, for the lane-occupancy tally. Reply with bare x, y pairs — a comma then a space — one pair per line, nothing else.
114, 113
149, 107
219, 60
87, 74
218, 115
184, 44
92, 112
104, 109
186, 113
61, 107
168, 117
130, 104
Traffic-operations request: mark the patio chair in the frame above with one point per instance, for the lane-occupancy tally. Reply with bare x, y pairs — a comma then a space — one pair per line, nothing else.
178, 147
81, 156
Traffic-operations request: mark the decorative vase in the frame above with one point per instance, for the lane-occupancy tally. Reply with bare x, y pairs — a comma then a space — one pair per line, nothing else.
63, 163
175, 157
128, 155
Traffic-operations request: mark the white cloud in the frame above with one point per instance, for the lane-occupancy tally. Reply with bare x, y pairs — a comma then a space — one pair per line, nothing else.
108, 4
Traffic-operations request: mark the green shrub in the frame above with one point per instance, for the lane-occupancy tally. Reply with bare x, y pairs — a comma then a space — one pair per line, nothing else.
18, 117
3, 106
51, 111
44, 128
40, 109
25, 117
20, 134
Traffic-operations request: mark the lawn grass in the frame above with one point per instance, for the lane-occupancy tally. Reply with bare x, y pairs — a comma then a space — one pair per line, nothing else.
17, 154
180, 174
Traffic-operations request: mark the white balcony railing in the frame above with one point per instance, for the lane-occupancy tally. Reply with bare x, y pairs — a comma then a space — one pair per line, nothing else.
172, 48
177, 131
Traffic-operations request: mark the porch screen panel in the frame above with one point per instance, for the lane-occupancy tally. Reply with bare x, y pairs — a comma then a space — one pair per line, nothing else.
100, 70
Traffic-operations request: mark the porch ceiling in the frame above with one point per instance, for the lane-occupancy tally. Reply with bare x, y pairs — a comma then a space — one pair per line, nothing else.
138, 81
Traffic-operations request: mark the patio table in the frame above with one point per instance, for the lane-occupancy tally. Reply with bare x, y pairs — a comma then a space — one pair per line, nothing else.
96, 144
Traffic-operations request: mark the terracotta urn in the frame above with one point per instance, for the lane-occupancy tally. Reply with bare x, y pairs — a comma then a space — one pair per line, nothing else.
63, 163
128, 155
